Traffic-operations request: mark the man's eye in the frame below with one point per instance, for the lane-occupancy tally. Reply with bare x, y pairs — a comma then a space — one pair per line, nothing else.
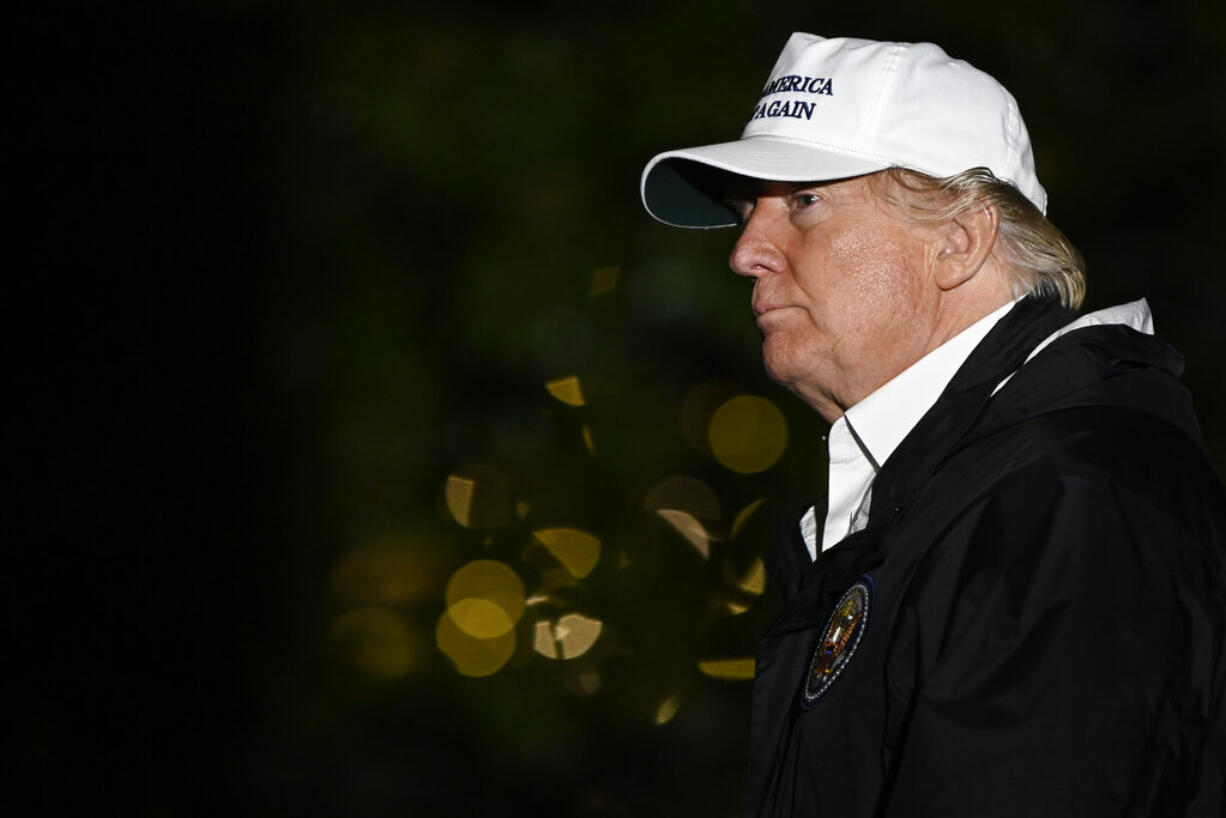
805, 199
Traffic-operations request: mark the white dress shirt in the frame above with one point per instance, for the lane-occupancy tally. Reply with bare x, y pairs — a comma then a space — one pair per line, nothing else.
869, 432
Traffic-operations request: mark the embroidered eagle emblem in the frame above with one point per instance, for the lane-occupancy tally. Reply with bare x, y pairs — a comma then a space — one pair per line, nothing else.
838, 642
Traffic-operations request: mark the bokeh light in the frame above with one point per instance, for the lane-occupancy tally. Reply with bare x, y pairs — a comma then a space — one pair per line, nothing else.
728, 669
683, 494
485, 599
742, 517
748, 434
554, 588
566, 390
543, 641
681, 501
477, 496
480, 618
571, 636
753, 581
392, 571
668, 709
699, 405
578, 551
750, 582
378, 641
470, 655
689, 527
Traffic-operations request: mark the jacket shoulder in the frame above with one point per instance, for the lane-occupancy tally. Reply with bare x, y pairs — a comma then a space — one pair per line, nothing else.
1161, 464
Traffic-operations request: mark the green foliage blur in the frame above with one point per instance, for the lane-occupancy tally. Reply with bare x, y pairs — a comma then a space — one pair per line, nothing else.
390, 226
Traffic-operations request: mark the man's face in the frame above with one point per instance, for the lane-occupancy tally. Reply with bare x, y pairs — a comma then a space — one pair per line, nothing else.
840, 289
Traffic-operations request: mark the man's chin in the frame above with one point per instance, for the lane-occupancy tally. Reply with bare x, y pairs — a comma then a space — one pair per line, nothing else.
780, 369
801, 380
782, 360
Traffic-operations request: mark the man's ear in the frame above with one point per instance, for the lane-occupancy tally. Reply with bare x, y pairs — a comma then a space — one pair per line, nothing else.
965, 242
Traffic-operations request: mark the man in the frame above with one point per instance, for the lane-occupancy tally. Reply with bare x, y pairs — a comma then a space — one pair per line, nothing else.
1011, 602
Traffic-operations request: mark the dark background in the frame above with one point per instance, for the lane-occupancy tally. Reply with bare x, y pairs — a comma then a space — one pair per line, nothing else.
283, 269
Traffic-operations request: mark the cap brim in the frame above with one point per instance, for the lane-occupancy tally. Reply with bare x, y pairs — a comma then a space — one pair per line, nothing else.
682, 188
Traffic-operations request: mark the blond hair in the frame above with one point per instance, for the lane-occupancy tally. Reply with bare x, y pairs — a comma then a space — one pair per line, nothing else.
1041, 259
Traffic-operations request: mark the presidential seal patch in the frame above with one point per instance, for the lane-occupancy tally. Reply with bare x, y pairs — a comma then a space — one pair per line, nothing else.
838, 642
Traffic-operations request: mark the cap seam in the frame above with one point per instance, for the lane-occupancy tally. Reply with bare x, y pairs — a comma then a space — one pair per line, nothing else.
1014, 158
877, 104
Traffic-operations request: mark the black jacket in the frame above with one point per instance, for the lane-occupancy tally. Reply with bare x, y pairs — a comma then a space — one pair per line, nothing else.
1038, 607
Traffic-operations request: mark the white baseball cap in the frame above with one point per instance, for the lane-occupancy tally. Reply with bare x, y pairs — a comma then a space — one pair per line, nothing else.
836, 108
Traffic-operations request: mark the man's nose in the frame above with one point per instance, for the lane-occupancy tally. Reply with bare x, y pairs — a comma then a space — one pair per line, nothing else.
756, 252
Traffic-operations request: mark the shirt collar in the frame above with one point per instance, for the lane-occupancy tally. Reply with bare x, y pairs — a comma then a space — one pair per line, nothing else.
880, 421
1134, 314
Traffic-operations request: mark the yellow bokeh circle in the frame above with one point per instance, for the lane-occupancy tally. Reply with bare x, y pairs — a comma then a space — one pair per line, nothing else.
480, 618
379, 642
747, 434
485, 598
470, 655
388, 572
578, 551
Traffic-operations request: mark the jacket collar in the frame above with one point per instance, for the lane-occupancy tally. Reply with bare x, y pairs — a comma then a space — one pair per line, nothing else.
934, 437
941, 429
